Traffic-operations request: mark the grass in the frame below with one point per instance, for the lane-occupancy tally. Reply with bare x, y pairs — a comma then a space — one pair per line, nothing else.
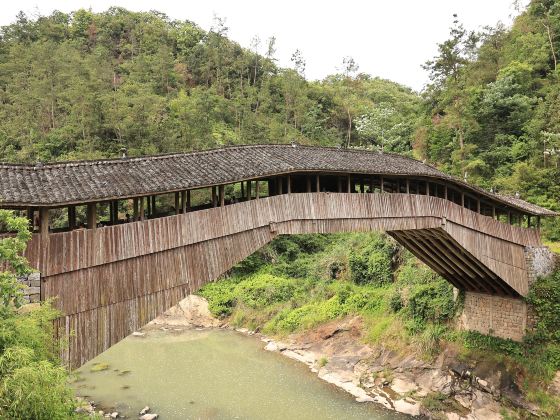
554, 246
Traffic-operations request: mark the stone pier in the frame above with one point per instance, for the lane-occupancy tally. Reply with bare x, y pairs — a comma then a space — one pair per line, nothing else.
507, 317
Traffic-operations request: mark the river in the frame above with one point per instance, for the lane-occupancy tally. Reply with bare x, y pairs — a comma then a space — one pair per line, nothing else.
213, 374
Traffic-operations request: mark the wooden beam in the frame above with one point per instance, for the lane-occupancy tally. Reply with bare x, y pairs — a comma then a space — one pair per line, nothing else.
44, 222
478, 205
223, 194
308, 181
188, 200
177, 204
318, 183
382, 185
183, 202
242, 190
427, 188
349, 184
71, 217
92, 215
214, 197
289, 184
249, 192
407, 186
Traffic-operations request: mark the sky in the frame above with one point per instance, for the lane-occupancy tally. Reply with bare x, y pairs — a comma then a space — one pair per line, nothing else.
389, 39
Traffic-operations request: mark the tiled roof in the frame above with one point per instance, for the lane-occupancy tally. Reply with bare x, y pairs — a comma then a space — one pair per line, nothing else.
87, 181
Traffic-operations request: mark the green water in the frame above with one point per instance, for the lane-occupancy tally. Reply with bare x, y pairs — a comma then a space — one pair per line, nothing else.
213, 374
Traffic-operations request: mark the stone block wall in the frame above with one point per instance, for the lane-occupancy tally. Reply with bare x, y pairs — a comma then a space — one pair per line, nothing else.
541, 262
499, 316
32, 291
507, 317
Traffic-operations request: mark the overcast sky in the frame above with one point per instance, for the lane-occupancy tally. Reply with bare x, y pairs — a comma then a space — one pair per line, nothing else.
390, 39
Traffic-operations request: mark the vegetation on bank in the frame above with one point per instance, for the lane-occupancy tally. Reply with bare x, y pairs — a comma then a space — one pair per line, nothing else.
298, 282
33, 384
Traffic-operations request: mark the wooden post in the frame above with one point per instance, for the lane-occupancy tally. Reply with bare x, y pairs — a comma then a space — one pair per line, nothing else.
289, 184
44, 223
362, 184
528, 220
183, 202
154, 209
349, 184
222, 196
445, 192
339, 182
148, 206
116, 211
257, 189
407, 186
427, 188
214, 197
371, 184
177, 205
382, 185
318, 183
92, 215
493, 212
141, 212
463, 199
509, 215
249, 192
478, 205
280, 184
242, 190
71, 217
188, 200
308, 180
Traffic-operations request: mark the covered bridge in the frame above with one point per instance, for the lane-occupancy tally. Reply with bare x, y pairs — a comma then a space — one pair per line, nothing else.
120, 241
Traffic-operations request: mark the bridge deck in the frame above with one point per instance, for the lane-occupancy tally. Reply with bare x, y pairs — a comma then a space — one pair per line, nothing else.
110, 281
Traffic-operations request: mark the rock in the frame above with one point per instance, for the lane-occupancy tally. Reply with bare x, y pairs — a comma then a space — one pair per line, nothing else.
144, 410
406, 407
149, 416
138, 334
403, 385
554, 387
114, 415
271, 346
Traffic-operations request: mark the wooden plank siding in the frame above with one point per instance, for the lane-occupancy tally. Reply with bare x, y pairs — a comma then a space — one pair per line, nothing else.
110, 281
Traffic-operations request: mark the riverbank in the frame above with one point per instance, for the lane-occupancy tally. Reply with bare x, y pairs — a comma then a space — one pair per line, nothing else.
446, 387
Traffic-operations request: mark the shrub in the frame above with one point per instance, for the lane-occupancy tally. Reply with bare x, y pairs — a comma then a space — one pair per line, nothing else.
261, 290
221, 297
544, 296
431, 302
373, 262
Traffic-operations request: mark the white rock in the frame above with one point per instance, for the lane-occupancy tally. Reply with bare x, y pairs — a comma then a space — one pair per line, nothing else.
271, 346
405, 407
149, 417
138, 334
402, 386
144, 410
114, 415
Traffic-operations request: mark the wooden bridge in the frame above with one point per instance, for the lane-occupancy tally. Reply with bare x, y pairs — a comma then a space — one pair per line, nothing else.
111, 276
